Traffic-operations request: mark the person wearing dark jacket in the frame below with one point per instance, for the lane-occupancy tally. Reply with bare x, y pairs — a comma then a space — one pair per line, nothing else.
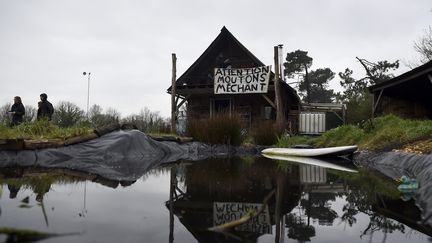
45, 108
17, 110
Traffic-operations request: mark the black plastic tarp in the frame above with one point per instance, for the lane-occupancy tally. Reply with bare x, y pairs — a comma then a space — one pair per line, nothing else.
395, 165
120, 155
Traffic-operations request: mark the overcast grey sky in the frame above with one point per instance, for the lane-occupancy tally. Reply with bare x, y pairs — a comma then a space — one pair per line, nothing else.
45, 45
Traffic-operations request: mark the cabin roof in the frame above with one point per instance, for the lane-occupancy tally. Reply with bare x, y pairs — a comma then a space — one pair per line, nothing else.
418, 72
224, 50
224, 40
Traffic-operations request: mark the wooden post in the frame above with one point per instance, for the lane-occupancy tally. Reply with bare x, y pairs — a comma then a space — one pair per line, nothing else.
278, 99
173, 94
173, 184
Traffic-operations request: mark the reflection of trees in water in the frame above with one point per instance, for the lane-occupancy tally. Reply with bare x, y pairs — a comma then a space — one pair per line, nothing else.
369, 189
227, 180
156, 172
39, 181
297, 229
317, 207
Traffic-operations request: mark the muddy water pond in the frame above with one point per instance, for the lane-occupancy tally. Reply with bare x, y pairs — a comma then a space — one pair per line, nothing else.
179, 202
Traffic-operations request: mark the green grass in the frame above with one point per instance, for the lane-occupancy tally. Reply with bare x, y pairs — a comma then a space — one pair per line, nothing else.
287, 141
382, 133
41, 130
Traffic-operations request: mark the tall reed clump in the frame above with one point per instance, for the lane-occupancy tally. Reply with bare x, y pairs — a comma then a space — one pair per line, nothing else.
266, 133
221, 128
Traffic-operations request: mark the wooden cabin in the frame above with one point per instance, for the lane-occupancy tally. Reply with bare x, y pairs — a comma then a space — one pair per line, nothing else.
407, 95
195, 87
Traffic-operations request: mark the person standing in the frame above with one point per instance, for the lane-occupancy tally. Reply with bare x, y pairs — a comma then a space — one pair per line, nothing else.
45, 108
17, 110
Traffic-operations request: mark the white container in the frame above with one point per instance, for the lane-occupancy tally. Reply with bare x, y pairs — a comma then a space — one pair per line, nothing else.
312, 122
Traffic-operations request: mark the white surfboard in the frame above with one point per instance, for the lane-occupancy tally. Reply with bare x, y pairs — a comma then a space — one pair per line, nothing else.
330, 151
310, 161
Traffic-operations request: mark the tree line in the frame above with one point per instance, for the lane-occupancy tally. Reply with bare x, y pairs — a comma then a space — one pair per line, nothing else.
68, 114
313, 85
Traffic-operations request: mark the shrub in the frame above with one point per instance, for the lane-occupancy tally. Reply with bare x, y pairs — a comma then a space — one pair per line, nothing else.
221, 128
266, 133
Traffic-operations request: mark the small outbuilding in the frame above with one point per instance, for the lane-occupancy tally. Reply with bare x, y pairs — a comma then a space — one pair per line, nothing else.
254, 103
407, 95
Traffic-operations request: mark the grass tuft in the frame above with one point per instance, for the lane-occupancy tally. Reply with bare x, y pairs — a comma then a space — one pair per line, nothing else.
42, 129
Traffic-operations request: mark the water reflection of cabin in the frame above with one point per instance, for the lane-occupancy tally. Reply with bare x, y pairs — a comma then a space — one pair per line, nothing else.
232, 180
196, 85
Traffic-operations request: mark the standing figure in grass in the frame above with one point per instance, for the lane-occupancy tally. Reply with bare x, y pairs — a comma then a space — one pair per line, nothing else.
17, 111
45, 108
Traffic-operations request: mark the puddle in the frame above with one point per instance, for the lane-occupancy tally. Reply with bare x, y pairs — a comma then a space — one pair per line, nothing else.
179, 202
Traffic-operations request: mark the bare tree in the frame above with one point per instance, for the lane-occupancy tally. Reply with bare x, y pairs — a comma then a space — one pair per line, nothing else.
112, 115
67, 114
4, 116
148, 121
424, 45
95, 116
30, 113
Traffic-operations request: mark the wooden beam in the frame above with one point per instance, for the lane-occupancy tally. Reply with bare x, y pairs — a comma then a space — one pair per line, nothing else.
269, 100
376, 103
173, 94
280, 117
343, 120
182, 102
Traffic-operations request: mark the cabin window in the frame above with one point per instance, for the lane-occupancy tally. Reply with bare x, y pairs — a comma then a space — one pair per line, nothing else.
221, 105
269, 113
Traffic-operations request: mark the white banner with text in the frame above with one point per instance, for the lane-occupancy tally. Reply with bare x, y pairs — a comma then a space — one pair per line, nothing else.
225, 212
241, 80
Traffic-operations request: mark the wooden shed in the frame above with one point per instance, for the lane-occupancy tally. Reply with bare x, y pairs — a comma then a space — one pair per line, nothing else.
407, 95
195, 87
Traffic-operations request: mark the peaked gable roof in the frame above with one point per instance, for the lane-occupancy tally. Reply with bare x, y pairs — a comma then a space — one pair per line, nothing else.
224, 51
